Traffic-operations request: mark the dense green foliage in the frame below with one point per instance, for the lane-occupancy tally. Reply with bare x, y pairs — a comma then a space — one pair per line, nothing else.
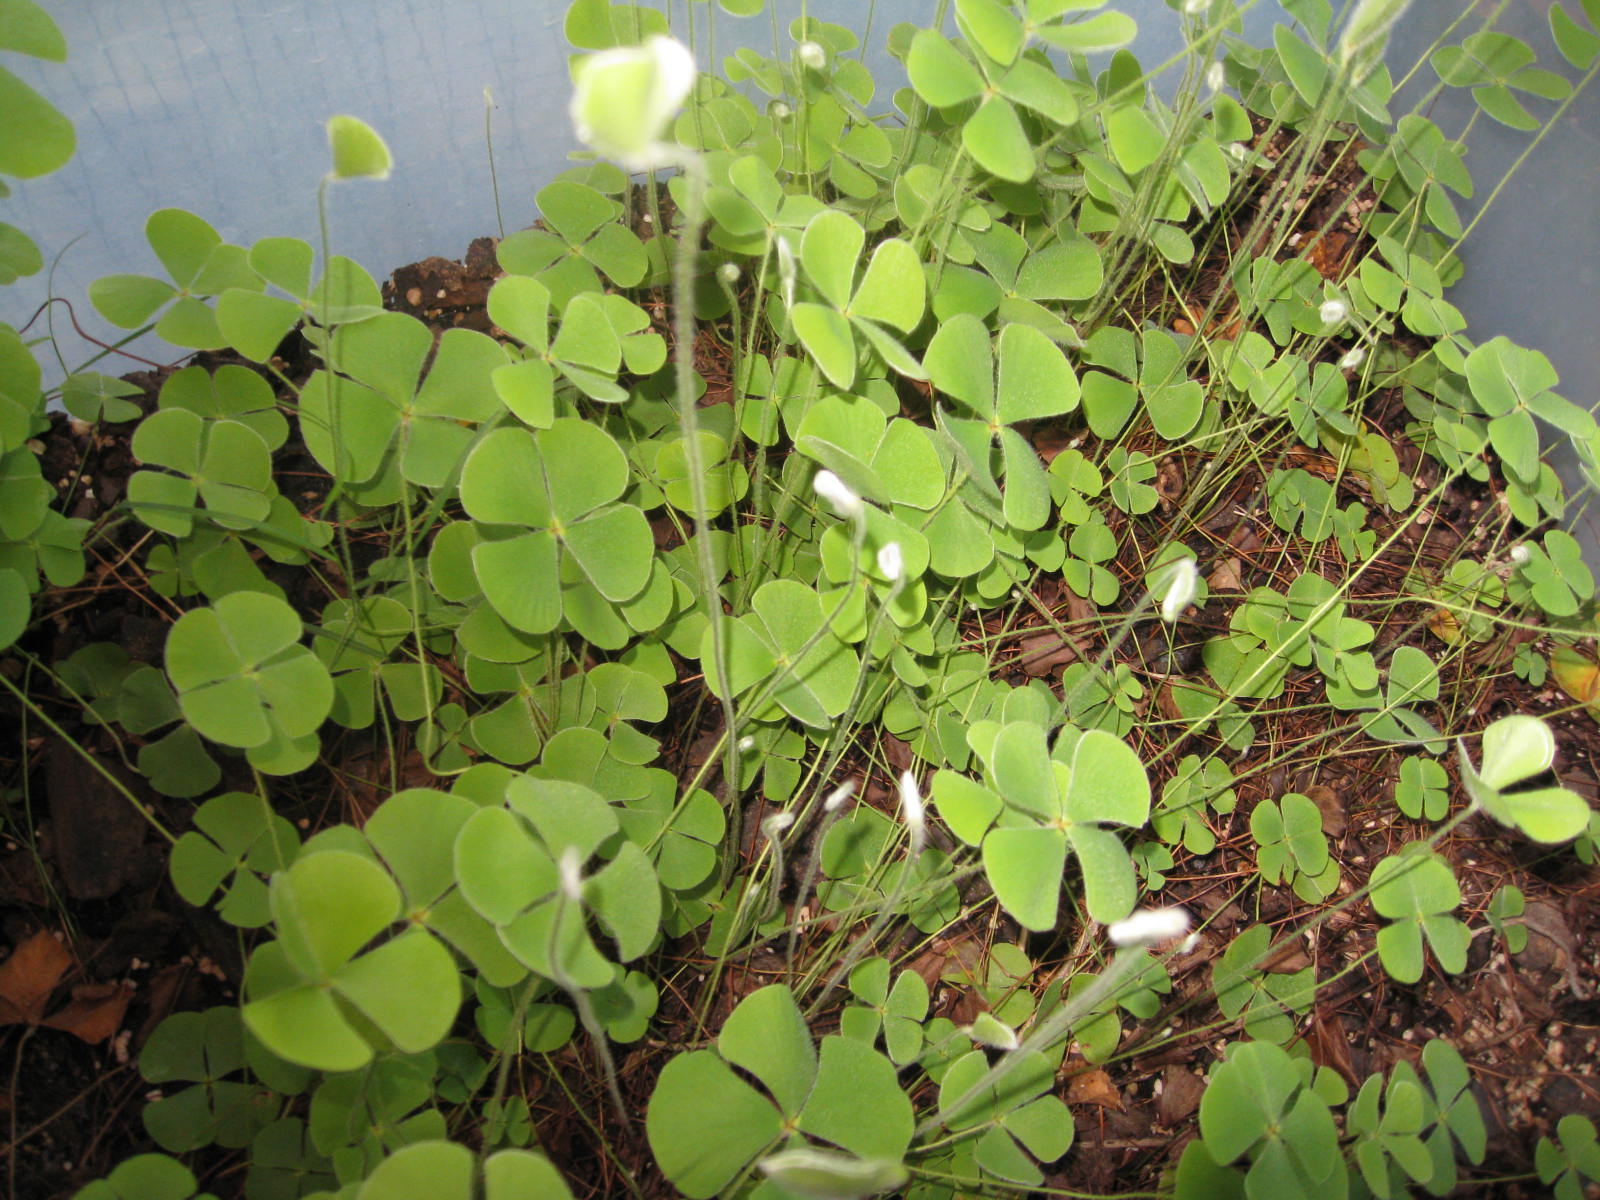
576, 531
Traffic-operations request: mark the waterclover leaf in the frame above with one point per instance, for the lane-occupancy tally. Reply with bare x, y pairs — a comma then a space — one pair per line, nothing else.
1418, 890
326, 907
237, 841
379, 413
705, 1123
223, 463
1515, 749
198, 263
892, 291
201, 1049
243, 679
1256, 1105
559, 486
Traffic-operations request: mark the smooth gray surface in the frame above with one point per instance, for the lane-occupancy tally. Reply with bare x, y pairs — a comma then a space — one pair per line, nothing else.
217, 106
1533, 260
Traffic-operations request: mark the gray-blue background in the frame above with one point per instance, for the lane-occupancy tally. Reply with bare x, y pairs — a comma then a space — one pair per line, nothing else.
218, 106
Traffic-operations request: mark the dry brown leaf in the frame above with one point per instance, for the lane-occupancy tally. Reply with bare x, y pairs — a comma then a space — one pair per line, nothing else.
29, 976
958, 959
1080, 611
1287, 957
1227, 577
1094, 1087
1328, 254
1329, 1044
1169, 482
95, 1011
1167, 704
1181, 1090
1043, 652
1331, 805
1445, 626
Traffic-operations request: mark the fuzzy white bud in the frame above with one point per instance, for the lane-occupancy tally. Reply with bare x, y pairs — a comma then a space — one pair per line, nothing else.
840, 796
1181, 589
1353, 358
786, 269
1367, 32
812, 55
910, 800
1150, 926
989, 1030
1520, 554
1193, 8
746, 744
626, 97
729, 273
776, 824
1215, 76
834, 490
1333, 312
570, 868
890, 562
779, 111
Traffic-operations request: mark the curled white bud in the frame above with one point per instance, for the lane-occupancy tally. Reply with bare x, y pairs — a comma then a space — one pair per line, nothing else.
779, 111
1150, 926
812, 55
1193, 8
989, 1030
1237, 151
728, 272
1333, 312
1215, 76
1181, 586
1367, 32
890, 562
1520, 554
776, 824
807, 1171
910, 800
1353, 358
786, 270
570, 868
834, 490
746, 744
840, 796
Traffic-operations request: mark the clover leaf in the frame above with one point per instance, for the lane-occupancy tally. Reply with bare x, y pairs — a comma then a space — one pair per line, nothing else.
785, 645
1257, 1105
706, 1123
1417, 890
446, 1171
891, 291
223, 463
201, 1049
304, 990
1038, 806
244, 680
553, 494
378, 413
1025, 1122
236, 843
198, 263
1515, 749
